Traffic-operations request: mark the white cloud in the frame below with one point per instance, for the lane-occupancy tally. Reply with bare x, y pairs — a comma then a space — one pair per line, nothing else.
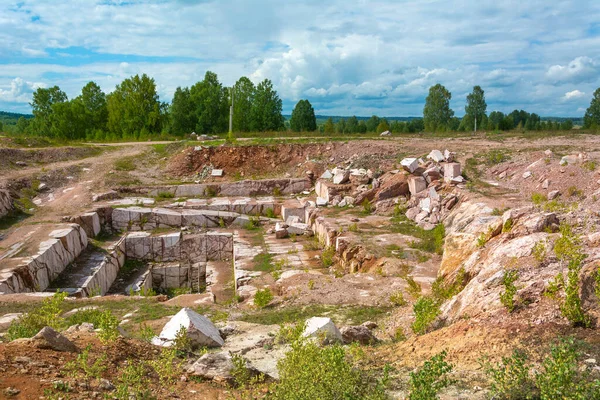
19, 91
581, 69
573, 95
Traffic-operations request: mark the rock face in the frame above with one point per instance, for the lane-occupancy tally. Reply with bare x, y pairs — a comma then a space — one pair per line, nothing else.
322, 328
6, 204
217, 367
360, 334
200, 330
48, 338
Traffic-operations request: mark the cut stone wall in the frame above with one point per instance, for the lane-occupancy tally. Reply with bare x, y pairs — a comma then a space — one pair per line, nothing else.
6, 203
105, 273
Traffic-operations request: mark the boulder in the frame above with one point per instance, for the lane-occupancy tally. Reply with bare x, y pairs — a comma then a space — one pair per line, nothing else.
410, 164
322, 328
394, 186
553, 194
341, 177
448, 155
321, 202
200, 330
217, 367
416, 184
360, 334
386, 133
48, 338
327, 175
436, 156
451, 171
280, 231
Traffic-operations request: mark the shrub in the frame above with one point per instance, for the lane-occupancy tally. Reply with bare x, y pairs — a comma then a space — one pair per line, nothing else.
573, 191
539, 251
83, 365
597, 281
561, 378
327, 256
133, 382
572, 308
510, 379
507, 297
366, 205
426, 310
414, 288
309, 371
108, 325
182, 343
269, 213
47, 314
397, 299
538, 198
166, 366
443, 290
426, 383
289, 333
353, 227
263, 297
554, 286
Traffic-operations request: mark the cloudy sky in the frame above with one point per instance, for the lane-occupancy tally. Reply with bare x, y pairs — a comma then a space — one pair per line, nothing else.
347, 57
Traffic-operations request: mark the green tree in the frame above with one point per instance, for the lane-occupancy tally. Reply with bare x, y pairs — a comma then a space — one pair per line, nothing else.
68, 120
475, 108
22, 125
362, 127
266, 109
133, 108
41, 104
243, 97
182, 113
437, 112
303, 117
340, 127
93, 101
591, 119
329, 127
352, 124
383, 126
1, 127
372, 123
211, 104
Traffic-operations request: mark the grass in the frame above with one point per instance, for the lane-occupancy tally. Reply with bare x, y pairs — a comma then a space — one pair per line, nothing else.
263, 262
125, 164
351, 314
428, 241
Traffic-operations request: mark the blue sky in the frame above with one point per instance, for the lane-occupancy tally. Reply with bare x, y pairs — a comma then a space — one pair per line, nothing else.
347, 57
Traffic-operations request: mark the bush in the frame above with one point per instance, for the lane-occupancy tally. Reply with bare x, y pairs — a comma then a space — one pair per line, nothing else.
561, 378
426, 310
572, 308
443, 290
538, 198
426, 383
510, 379
397, 299
327, 257
507, 297
108, 325
263, 297
539, 251
48, 314
311, 372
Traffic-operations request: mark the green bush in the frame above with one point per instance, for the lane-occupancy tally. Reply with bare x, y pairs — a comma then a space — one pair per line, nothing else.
397, 299
47, 314
108, 325
309, 371
88, 368
426, 383
510, 379
263, 297
443, 290
540, 251
507, 296
572, 308
327, 256
426, 310
538, 198
561, 378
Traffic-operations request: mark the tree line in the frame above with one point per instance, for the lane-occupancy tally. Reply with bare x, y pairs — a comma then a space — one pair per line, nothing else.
134, 110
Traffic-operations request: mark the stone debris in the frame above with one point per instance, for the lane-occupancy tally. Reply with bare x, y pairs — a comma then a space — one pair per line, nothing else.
321, 202
360, 334
553, 194
341, 177
385, 133
218, 367
436, 156
410, 164
48, 338
216, 172
322, 328
110, 195
200, 330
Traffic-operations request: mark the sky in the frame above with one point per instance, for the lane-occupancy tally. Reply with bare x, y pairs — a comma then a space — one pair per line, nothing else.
346, 57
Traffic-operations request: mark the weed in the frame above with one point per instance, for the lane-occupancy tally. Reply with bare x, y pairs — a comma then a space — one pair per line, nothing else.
164, 195
327, 256
48, 314
496, 157
498, 212
414, 288
269, 213
510, 379
182, 343
554, 286
561, 378
263, 297
426, 310
507, 226
145, 333
399, 335
134, 382
507, 297
540, 251
166, 366
367, 208
289, 333
83, 364
538, 198
589, 165
397, 299
311, 284
309, 371
353, 227
125, 164
573, 191
252, 224
597, 283
210, 191
426, 383
276, 191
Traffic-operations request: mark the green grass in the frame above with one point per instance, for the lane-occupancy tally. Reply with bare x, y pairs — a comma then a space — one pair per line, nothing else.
125, 164
429, 241
292, 314
263, 262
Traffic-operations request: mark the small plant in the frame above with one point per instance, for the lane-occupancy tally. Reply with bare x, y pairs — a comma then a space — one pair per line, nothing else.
589, 165
210, 191
554, 286
572, 308
482, 240
561, 377
443, 290
311, 284
353, 227
366, 205
270, 213
540, 251
289, 333
240, 372
327, 257
164, 195
108, 325
145, 333
597, 283
83, 365
125, 164
182, 343
572, 191
399, 335
510, 379
276, 191
538, 198
263, 297
166, 366
414, 288
252, 224
426, 310
397, 299
133, 382
507, 226
426, 383
48, 314
222, 223
507, 296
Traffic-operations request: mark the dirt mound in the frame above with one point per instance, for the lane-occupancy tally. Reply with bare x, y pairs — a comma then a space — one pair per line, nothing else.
295, 159
9, 157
